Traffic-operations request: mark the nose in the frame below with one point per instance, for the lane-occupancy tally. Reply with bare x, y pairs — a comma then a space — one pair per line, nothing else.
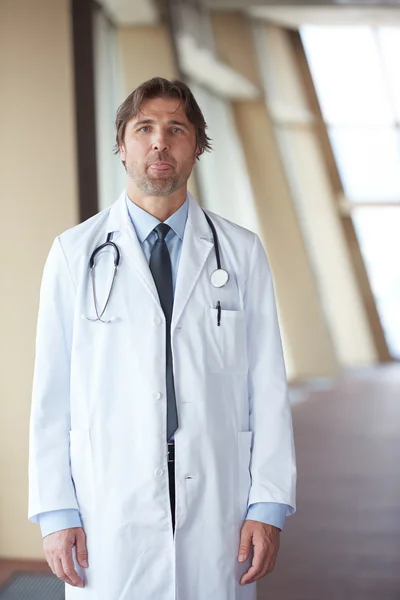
159, 142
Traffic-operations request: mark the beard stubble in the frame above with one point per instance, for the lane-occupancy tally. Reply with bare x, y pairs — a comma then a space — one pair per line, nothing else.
163, 186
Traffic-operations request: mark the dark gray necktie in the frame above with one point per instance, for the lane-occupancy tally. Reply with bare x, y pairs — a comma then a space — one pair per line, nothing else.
160, 267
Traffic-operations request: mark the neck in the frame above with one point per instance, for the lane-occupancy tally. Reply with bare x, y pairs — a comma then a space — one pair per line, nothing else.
160, 207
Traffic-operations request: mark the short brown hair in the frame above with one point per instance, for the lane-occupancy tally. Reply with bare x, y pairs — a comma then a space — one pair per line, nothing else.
158, 87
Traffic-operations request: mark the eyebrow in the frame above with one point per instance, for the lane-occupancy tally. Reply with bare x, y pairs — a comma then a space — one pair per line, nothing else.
151, 122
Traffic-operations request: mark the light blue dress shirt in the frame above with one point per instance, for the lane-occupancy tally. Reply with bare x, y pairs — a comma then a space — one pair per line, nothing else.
144, 223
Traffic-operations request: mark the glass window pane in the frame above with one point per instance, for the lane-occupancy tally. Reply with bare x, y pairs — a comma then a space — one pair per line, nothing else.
347, 72
389, 38
368, 162
378, 233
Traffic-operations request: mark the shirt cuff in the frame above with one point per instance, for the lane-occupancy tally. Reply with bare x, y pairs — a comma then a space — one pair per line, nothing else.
55, 520
271, 513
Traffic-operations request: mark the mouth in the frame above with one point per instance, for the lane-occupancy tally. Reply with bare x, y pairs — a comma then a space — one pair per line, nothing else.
160, 166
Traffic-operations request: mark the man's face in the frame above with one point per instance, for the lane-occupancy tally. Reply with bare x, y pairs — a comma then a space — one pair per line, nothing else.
159, 148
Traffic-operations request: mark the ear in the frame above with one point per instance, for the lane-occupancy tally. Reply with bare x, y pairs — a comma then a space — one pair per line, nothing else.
122, 152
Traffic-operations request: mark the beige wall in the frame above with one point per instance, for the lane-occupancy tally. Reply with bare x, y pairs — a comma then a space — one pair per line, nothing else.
145, 52
307, 336
307, 340
312, 190
38, 196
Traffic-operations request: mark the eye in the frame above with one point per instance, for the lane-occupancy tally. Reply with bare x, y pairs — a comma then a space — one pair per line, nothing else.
174, 129
146, 127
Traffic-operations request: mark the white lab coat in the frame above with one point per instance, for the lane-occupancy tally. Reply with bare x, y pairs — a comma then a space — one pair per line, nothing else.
98, 417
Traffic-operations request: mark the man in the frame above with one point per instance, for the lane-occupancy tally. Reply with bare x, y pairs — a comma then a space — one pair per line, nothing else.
162, 460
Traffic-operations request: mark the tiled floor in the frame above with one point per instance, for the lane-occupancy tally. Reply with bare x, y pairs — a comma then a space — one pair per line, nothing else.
344, 541
8, 567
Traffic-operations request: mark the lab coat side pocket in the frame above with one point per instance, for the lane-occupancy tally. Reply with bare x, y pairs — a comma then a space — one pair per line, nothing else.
81, 467
244, 476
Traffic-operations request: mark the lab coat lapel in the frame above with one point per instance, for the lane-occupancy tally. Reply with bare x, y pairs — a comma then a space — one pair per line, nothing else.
132, 255
196, 246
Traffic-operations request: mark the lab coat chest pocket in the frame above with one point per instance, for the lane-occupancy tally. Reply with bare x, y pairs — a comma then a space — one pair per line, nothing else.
226, 343
81, 467
244, 478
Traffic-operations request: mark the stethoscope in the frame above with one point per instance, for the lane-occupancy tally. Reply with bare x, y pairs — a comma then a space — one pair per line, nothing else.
219, 278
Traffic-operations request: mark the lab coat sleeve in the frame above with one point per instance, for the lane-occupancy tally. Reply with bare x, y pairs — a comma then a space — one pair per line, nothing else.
273, 463
50, 483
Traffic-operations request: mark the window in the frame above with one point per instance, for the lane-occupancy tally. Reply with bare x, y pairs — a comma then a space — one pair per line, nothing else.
357, 79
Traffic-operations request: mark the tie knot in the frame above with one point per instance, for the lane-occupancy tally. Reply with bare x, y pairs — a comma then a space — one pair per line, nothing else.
161, 231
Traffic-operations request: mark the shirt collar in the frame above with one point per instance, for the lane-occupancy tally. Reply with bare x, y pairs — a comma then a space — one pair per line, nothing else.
144, 223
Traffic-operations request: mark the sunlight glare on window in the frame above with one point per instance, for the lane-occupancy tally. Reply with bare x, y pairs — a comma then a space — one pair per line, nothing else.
389, 39
378, 233
345, 66
356, 74
368, 162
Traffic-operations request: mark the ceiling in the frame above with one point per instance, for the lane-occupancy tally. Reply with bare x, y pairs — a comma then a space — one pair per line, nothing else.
289, 13
131, 12
297, 16
199, 61
245, 4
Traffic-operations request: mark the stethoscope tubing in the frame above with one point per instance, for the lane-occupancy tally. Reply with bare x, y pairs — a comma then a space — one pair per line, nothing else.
216, 240
108, 242
117, 258
95, 297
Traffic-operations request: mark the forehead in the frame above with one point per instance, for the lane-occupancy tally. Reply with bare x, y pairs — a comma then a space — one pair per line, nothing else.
162, 109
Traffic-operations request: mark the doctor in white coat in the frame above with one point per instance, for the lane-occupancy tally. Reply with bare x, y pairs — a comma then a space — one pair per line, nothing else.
130, 508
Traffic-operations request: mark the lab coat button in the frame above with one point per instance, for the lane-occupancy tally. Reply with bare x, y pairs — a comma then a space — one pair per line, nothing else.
157, 320
157, 395
159, 472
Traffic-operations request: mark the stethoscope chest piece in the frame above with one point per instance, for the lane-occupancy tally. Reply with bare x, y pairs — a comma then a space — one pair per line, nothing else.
219, 278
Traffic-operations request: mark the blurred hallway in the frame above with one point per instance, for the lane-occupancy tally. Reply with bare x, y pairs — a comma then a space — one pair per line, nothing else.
344, 541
